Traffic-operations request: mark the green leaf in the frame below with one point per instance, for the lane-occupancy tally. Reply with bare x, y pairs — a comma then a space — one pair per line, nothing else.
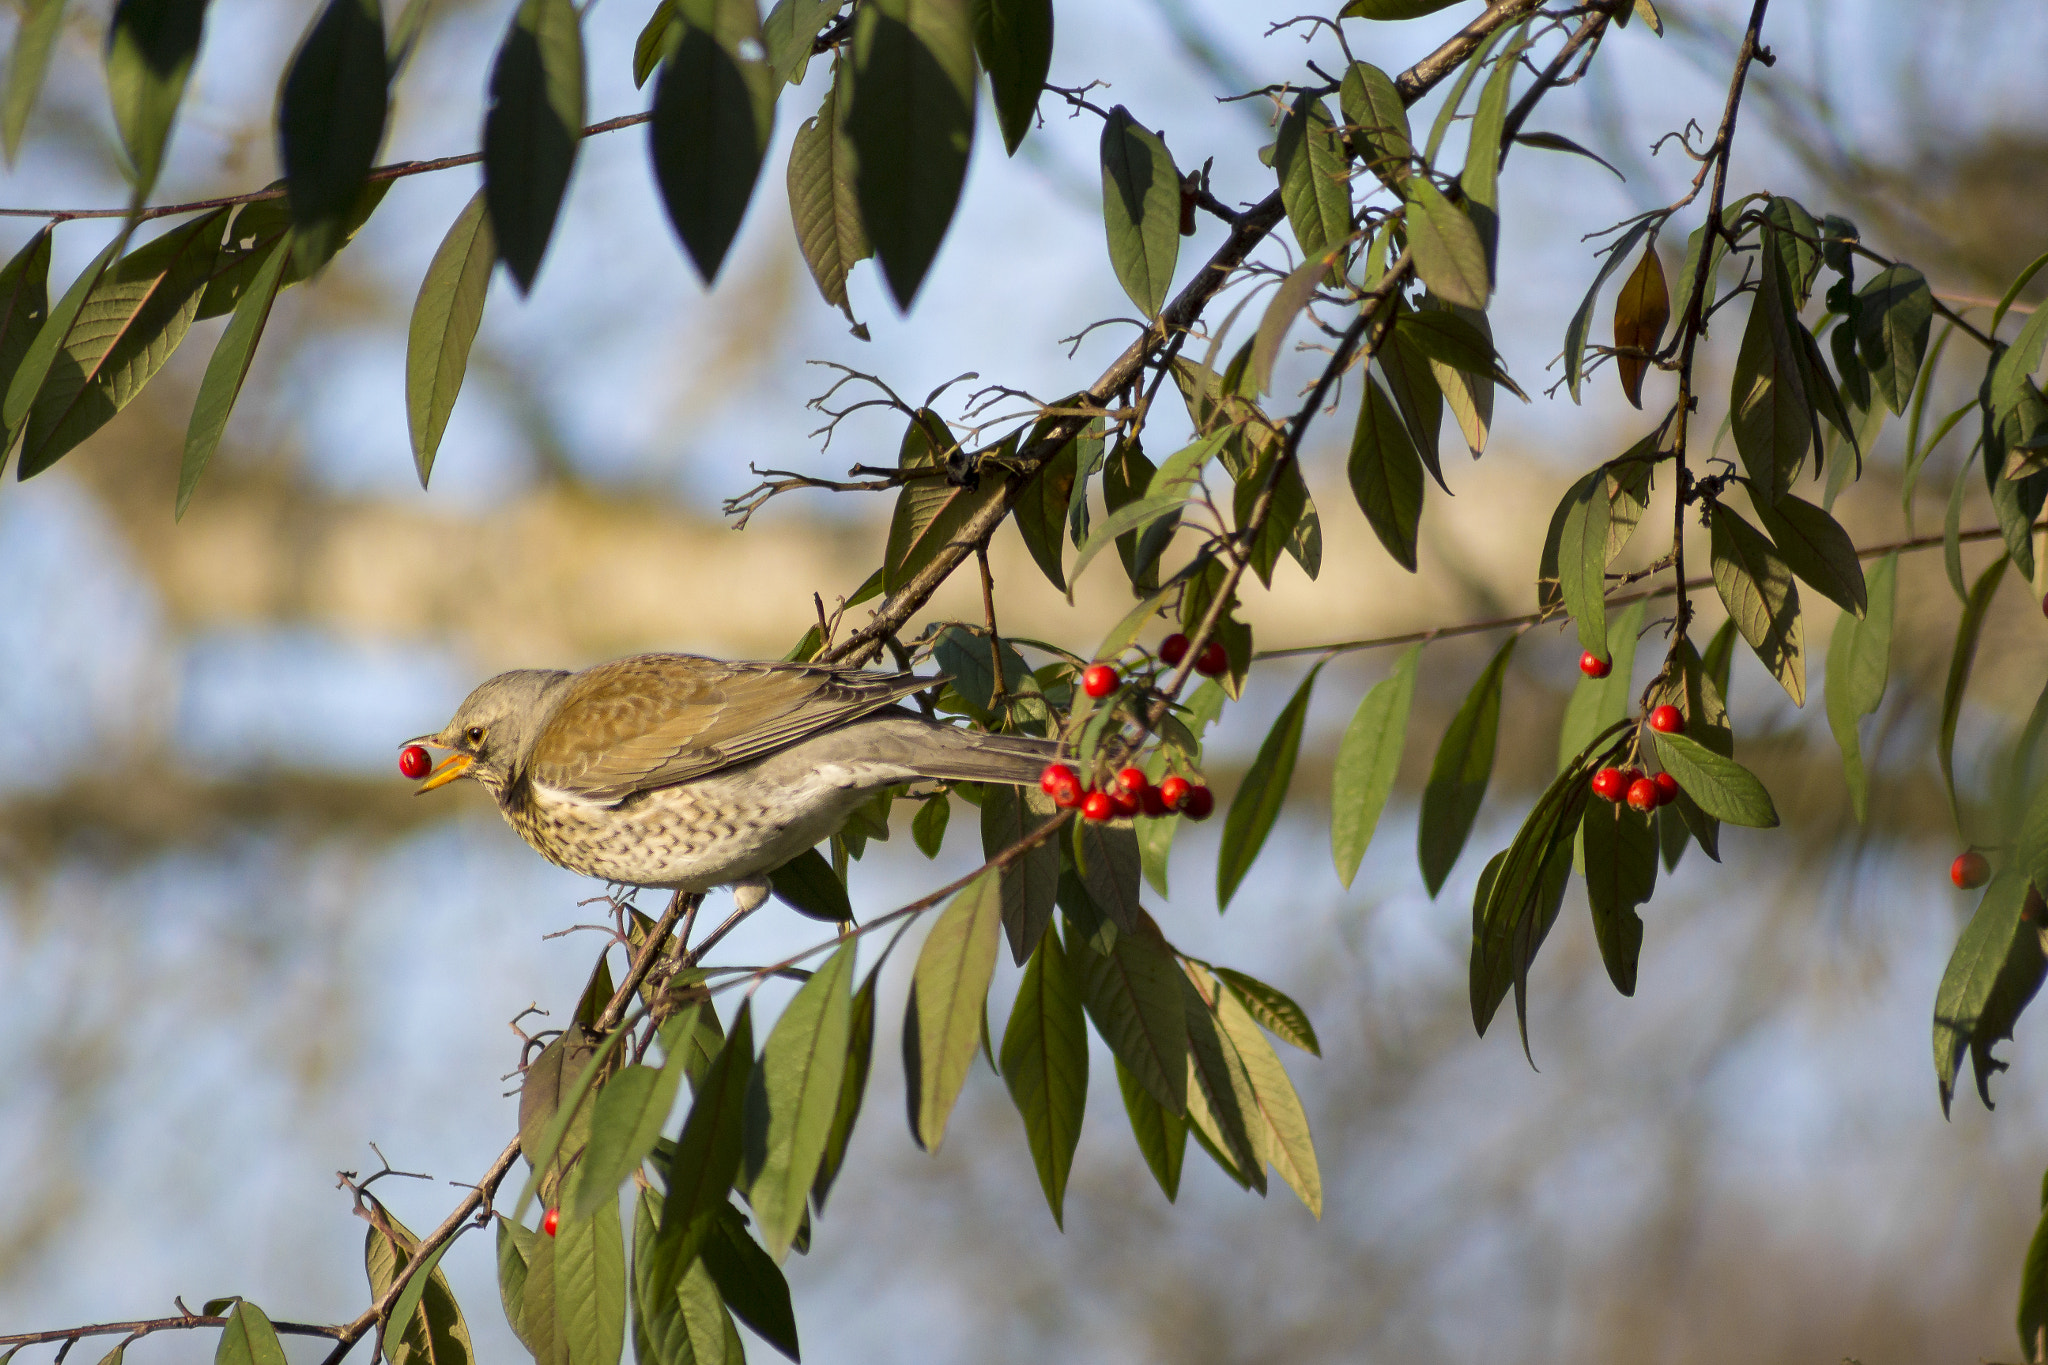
1392, 9
929, 511
424, 1326
1859, 663
1275, 1105
792, 1097
1288, 300
1044, 505
1222, 1110
1376, 122
714, 114
1045, 1065
1621, 873
532, 130
330, 123
1756, 586
249, 1339
912, 122
1964, 657
1132, 992
1597, 703
1582, 321
1793, 237
677, 1315
1173, 486
226, 371
1994, 972
948, 993
1449, 255
1140, 209
444, 322
1386, 474
1417, 395
1558, 142
808, 885
1458, 777
1274, 1009
120, 335
708, 1153
1519, 895
1480, 180
789, 33
24, 306
1368, 760
751, 1284
151, 45
1772, 419
853, 1086
1894, 313
34, 41
1259, 796
1816, 548
928, 826
1720, 786
517, 1247
2033, 1316
1582, 559
555, 1108
1013, 38
1315, 184
1162, 1136
628, 1117
589, 1264
1112, 872
1030, 883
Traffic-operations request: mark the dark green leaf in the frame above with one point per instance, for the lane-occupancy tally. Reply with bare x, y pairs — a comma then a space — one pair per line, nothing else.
678, 1318
948, 993
1368, 759
1111, 872
34, 41
789, 33
1376, 122
1581, 324
1773, 420
1132, 992
1964, 657
1045, 1065
1894, 313
708, 1153
629, 1115
1222, 1110
1257, 803
1392, 9
1417, 395
1274, 1009
1859, 662
1582, 559
1449, 255
532, 130
928, 826
1162, 1135
1386, 474
226, 371
2033, 1316
1621, 872
929, 511
1558, 142
1140, 209
1013, 38
1480, 180
1460, 773
750, 1283
714, 113
1519, 894
1720, 786
912, 122
1794, 237
1756, 586
1275, 1107
24, 306
1044, 505
808, 885
1597, 703
424, 1326
589, 1264
151, 45
444, 321
792, 1097
330, 123
1994, 972
1314, 180
1030, 883
1816, 548
852, 1088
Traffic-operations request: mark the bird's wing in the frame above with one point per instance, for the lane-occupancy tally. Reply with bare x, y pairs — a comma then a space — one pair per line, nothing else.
657, 719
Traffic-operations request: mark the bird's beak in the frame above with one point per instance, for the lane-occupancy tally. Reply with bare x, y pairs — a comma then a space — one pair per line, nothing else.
446, 771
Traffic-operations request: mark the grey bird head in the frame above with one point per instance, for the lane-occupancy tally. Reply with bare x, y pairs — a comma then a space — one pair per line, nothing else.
495, 728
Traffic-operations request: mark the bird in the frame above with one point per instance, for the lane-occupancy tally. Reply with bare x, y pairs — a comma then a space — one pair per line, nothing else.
681, 772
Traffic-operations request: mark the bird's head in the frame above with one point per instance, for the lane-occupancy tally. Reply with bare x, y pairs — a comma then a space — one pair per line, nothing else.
495, 729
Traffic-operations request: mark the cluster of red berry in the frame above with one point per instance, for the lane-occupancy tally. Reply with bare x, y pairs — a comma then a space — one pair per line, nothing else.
1099, 680
1642, 792
1129, 793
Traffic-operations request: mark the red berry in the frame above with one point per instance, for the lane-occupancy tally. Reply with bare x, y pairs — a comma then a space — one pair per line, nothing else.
1153, 804
1098, 680
1970, 870
1593, 666
1642, 794
1173, 792
550, 1220
1126, 802
1173, 649
1667, 720
1097, 806
1609, 785
1055, 776
413, 762
1667, 788
1132, 780
1198, 803
1067, 794
1213, 661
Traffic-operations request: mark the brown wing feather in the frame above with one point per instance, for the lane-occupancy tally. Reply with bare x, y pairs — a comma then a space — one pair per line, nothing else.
657, 719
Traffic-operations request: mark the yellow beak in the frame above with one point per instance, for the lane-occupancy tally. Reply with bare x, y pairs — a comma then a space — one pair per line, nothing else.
449, 768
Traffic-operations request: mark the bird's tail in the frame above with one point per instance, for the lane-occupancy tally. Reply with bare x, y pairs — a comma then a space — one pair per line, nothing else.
947, 753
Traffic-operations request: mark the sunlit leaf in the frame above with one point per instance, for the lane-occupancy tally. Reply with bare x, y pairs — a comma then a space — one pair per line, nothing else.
1576, 330
1859, 663
1376, 121
1274, 1009
1449, 255
1259, 796
789, 34
1045, 1066
151, 45
1722, 787
1969, 626
232, 356
1757, 588
792, 1097
1140, 209
444, 321
1275, 1105
1994, 972
34, 41
248, 1339
1459, 775
852, 1088
1641, 310
1368, 760
1315, 186
948, 992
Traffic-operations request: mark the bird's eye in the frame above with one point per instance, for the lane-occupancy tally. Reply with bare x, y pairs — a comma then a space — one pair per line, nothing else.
475, 734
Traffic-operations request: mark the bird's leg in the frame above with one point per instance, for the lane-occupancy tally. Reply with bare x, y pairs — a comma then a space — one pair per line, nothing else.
748, 893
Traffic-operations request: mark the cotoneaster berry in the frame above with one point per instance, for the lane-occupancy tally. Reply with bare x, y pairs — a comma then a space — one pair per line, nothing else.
1098, 680
1593, 666
1609, 785
1199, 802
1667, 788
1173, 792
1055, 776
550, 1220
1667, 720
1097, 806
1152, 803
1213, 661
413, 762
1970, 870
1173, 649
1642, 794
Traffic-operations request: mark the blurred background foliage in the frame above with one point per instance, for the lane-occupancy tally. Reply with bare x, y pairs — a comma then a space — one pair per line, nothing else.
237, 951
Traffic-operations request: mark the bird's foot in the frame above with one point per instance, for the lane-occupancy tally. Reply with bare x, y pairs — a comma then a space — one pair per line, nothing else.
748, 894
